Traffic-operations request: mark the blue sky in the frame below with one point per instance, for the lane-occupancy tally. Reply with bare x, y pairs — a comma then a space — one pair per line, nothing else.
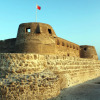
74, 20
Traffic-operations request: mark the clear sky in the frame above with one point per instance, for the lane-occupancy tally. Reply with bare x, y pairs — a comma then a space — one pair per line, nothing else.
75, 20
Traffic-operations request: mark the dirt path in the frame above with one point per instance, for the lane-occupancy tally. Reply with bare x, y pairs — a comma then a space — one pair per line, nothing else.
89, 90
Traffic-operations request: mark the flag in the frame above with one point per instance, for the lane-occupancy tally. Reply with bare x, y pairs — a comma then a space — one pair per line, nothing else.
38, 7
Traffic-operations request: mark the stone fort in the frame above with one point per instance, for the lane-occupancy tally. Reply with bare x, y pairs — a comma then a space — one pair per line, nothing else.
37, 64
40, 38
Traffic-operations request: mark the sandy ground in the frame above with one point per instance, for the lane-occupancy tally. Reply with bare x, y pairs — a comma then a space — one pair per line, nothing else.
89, 90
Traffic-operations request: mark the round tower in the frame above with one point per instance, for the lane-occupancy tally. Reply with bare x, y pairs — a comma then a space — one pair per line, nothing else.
35, 38
88, 52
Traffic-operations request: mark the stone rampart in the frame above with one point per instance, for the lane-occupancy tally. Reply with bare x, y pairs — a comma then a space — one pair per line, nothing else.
73, 71
42, 75
21, 63
24, 76
7, 46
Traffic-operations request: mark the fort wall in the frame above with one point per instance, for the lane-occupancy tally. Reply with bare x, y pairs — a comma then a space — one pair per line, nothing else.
65, 72
7, 46
73, 70
24, 76
42, 39
64, 47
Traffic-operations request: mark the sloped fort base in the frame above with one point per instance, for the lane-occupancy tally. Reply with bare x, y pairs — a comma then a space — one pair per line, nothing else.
33, 76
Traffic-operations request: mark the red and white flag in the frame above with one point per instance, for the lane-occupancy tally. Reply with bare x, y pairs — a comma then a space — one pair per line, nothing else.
38, 7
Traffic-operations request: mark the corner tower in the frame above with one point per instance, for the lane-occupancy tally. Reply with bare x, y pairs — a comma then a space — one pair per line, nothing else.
35, 38
88, 52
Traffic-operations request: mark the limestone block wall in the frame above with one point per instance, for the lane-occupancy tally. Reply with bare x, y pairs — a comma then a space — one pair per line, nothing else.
21, 63
72, 70
37, 86
23, 76
44, 74
75, 70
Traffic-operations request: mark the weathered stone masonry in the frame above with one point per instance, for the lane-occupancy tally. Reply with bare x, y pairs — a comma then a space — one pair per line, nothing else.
47, 74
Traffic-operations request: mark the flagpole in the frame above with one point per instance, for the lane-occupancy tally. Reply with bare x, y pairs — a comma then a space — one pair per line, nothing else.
36, 12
